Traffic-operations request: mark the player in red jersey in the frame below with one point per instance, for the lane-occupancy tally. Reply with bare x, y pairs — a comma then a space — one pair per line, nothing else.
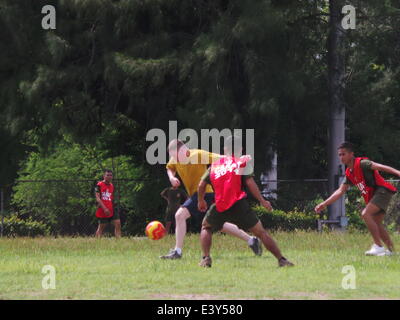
105, 212
228, 179
377, 193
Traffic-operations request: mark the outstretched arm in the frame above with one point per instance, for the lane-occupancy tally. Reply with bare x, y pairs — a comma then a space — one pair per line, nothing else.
334, 197
253, 188
381, 167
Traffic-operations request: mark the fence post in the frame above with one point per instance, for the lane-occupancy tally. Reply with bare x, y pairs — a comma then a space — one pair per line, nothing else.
2, 211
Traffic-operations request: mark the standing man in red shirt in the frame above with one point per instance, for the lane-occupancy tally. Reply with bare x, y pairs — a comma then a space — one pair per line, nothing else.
364, 174
105, 212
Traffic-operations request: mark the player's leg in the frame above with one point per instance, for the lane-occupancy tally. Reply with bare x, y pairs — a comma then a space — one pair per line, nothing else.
368, 216
253, 242
117, 228
385, 237
270, 244
181, 216
233, 230
213, 220
206, 238
266, 239
100, 229
242, 215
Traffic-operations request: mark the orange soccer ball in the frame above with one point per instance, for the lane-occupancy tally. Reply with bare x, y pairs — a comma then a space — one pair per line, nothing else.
155, 230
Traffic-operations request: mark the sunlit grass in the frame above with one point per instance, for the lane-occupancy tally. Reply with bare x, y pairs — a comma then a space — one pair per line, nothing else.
130, 268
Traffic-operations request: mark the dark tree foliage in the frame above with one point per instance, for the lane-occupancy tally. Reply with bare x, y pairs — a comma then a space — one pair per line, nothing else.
112, 70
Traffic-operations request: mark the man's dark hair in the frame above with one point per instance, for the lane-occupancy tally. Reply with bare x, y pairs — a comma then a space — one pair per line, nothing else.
347, 145
107, 171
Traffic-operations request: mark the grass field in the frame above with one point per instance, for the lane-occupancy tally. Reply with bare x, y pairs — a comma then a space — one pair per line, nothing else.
129, 268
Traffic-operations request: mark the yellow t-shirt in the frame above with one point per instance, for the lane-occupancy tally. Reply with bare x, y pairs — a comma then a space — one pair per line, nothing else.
193, 169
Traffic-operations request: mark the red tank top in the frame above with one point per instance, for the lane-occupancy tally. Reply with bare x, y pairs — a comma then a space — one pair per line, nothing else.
226, 180
356, 176
107, 196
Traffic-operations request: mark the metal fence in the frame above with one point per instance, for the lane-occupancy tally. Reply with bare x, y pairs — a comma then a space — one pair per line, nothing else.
67, 207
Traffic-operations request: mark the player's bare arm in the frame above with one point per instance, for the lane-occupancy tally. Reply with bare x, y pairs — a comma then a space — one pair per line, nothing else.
255, 191
334, 197
201, 203
172, 178
101, 204
387, 169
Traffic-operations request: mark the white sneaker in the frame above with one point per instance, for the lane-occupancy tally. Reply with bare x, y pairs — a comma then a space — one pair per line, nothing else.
376, 251
388, 253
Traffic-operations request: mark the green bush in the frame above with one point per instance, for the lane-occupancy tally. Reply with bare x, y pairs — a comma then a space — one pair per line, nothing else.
14, 226
286, 221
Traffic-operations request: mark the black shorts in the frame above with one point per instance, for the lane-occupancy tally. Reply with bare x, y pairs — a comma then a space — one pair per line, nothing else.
240, 214
109, 220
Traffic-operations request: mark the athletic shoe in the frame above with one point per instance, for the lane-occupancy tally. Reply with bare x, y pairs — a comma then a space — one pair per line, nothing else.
376, 251
388, 252
173, 254
256, 246
283, 262
205, 262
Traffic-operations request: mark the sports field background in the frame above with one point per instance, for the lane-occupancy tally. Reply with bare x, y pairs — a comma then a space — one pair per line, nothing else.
130, 268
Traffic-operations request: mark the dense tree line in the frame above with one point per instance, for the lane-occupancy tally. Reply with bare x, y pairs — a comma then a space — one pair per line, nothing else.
112, 70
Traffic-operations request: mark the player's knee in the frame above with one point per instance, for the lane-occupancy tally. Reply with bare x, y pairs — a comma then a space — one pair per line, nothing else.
182, 214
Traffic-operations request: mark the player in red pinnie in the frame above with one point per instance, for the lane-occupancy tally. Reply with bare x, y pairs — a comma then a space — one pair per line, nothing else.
105, 212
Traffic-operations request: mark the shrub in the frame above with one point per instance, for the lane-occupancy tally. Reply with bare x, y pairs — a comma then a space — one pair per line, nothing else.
14, 226
286, 221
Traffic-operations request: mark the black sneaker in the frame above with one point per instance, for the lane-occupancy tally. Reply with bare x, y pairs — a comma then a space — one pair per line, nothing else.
205, 262
173, 254
256, 246
283, 262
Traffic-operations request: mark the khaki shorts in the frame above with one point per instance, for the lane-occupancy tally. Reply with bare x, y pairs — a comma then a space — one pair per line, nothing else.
240, 214
382, 198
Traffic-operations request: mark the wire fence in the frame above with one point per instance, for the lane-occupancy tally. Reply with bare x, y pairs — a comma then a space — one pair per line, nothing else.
67, 207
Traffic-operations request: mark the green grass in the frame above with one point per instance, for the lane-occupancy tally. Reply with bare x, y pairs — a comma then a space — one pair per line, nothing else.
129, 268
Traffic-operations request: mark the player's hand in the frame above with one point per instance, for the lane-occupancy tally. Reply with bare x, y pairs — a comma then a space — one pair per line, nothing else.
107, 212
318, 208
202, 205
175, 182
245, 158
266, 204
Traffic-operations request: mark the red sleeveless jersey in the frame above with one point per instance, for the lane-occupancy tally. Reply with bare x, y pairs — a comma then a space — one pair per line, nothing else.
107, 196
226, 180
356, 176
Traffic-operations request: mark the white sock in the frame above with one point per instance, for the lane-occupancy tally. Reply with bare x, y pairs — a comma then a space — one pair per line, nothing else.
250, 241
179, 250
